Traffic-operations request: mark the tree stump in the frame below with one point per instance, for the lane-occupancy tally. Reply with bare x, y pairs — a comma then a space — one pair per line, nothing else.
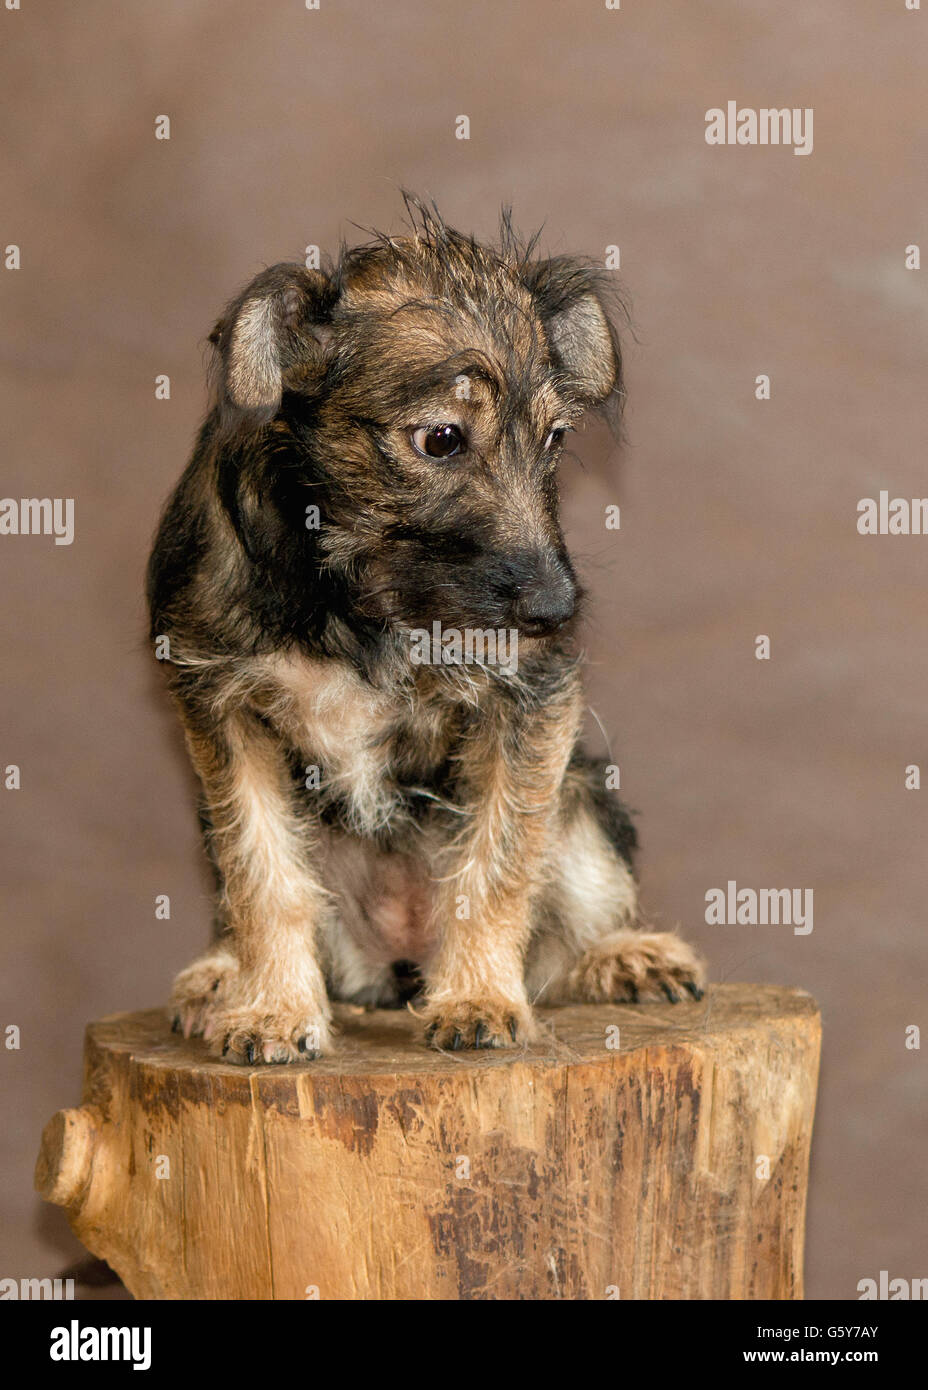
637, 1151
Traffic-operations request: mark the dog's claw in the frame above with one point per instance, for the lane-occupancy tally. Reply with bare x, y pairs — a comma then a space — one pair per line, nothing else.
633, 994
175, 1024
456, 1042
250, 1053
694, 990
480, 1032
514, 1029
671, 993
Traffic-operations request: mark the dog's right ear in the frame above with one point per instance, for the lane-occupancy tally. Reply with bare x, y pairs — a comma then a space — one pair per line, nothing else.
277, 327
569, 295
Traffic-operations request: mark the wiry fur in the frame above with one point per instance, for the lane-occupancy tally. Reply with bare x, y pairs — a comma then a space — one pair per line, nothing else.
457, 839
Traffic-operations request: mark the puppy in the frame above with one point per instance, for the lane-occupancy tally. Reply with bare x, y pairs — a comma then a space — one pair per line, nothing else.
378, 470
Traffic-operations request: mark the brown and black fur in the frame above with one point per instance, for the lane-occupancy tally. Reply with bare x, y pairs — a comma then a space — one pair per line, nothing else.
455, 844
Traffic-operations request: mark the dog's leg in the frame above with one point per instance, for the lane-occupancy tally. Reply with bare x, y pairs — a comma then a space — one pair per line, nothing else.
511, 766
588, 945
269, 1002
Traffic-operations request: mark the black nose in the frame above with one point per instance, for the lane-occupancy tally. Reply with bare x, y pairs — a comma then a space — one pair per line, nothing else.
545, 603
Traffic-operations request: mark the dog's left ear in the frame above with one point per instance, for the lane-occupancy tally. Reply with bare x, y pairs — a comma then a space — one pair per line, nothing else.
273, 335
569, 298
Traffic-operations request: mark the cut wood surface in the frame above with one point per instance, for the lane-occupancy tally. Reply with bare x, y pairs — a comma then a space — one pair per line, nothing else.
668, 1160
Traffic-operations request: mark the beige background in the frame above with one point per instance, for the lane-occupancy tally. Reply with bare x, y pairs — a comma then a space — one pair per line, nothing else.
738, 517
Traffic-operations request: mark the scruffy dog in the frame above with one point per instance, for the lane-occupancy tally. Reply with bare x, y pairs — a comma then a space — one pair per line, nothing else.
380, 463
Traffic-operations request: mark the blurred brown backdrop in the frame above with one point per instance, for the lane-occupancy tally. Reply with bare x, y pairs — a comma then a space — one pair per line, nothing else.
738, 516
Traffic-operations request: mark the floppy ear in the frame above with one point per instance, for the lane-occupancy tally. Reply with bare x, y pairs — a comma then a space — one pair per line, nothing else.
272, 334
569, 298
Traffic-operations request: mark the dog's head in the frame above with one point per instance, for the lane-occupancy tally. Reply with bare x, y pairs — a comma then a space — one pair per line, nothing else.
418, 394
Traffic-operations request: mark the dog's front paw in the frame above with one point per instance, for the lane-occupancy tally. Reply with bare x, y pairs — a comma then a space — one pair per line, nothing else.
633, 965
255, 1035
199, 991
478, 1023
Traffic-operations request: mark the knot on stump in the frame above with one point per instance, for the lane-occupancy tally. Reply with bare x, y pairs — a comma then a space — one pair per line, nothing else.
63, 1168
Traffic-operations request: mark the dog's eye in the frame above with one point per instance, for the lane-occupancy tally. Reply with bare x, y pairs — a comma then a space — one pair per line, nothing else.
437, 441
555, 438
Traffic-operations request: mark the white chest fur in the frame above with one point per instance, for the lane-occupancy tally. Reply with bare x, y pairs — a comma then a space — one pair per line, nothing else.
344, 728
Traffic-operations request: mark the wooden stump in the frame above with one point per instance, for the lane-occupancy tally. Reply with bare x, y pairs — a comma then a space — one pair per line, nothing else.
666, 1160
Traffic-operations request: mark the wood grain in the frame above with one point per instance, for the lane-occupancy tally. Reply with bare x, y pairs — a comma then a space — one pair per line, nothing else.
571, 1169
